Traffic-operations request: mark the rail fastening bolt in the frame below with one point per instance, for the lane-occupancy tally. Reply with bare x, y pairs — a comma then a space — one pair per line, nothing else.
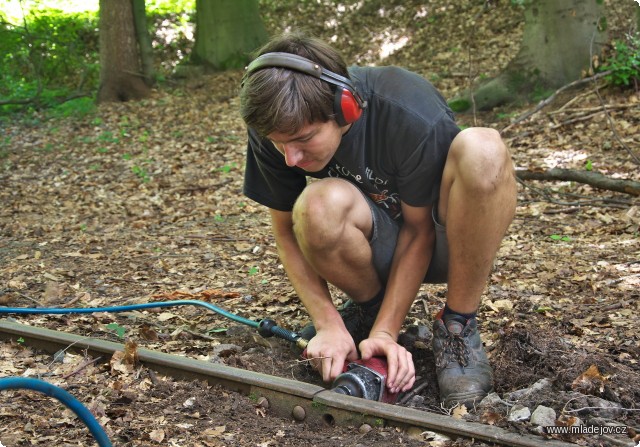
299, 413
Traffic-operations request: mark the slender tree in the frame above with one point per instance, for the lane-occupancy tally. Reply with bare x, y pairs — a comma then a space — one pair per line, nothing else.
559, 39
121, 77
226, 33
144, 40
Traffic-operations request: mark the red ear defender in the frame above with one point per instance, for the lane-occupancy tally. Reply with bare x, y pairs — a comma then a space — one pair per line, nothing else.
347, 103
346, 107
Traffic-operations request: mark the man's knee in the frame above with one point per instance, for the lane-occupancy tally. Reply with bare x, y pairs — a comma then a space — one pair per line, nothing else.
320, 212
481, 160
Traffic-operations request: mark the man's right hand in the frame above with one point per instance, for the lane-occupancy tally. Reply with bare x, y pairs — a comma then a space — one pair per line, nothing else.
328, 351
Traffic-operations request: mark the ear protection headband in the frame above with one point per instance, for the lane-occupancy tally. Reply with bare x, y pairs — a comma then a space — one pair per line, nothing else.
347, 103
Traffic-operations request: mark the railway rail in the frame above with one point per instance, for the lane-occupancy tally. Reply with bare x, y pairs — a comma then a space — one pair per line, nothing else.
287, 398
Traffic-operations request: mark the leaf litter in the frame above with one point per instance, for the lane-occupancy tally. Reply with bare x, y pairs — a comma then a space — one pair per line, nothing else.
143, 202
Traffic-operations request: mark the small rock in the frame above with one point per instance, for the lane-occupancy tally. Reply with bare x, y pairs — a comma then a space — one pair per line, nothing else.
519, 413
543, 416
540, 385
491, 400
416, 433
365, 428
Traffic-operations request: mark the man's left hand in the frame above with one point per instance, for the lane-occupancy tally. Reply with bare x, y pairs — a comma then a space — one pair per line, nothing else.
401, 373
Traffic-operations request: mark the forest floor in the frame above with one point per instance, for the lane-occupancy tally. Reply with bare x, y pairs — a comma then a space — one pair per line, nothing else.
142, 200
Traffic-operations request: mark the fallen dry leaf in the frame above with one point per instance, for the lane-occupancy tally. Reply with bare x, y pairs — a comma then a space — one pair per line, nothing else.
590, 382
157, 435
459, 411
130, 353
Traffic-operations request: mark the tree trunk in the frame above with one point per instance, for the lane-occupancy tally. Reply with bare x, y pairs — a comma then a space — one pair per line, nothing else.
121, 78
144, 41
560, 36
227, 31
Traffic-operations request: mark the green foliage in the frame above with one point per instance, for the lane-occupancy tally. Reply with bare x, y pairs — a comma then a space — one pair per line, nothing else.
544, 309
141, 173
624, 63
588, 166
162, 7
79, 107
46, 56
227, 168
119, 330
460, 105
49, 51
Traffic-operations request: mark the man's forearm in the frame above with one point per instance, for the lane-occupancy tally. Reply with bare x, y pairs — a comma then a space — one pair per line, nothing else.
310, 287
410, 263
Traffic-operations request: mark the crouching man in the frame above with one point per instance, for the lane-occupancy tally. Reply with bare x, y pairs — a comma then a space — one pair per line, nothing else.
404, 197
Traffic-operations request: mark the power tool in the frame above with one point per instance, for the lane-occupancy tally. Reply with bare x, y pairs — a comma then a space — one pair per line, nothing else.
366, 379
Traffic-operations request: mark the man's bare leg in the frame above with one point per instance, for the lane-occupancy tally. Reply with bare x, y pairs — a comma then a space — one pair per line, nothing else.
332, 223
477, 204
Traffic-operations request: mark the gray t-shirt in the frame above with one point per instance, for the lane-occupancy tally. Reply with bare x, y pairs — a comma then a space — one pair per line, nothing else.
395, 151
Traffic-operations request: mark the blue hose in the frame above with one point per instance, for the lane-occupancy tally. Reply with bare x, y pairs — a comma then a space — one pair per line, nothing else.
266, 328
89, 310
12, 383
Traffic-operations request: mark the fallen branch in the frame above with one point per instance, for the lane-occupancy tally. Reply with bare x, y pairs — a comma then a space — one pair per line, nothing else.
81, 367
588, 201
591, 178
592, 109
576, 119
551, 98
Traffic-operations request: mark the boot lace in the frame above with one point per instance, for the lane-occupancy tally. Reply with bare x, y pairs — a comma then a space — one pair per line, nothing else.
453, 348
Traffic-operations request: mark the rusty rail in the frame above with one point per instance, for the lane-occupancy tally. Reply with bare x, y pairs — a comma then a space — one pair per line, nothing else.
287, 398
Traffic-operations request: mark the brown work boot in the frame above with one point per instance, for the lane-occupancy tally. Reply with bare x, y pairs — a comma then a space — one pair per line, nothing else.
464, 373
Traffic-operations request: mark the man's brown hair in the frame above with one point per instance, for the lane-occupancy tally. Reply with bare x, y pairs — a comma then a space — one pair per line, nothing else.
276, 99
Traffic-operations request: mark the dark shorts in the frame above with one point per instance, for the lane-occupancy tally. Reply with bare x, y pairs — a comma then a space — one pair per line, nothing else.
383, 245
